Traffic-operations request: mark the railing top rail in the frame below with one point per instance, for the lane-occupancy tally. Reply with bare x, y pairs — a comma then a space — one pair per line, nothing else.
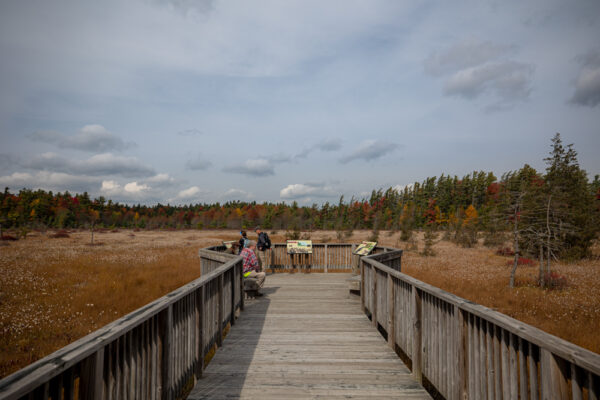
67, 356
564, 349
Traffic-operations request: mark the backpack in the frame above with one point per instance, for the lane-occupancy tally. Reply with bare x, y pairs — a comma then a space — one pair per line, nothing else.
246, 241
267, 241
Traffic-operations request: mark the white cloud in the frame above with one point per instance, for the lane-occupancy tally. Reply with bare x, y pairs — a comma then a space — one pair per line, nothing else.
587, 84
189, 193
135, 188
254, 167
236, 194
92, 138
304, 190
369, 150
160, 179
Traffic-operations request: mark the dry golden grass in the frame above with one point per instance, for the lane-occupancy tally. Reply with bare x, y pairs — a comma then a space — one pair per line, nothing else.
54, 291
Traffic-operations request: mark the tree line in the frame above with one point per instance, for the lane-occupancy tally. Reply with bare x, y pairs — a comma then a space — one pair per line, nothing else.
555, 213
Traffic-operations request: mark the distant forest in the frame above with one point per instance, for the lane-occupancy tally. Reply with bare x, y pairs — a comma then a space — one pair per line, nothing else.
560, 206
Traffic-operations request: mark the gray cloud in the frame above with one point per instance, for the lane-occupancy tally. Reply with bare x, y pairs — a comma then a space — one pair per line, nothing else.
369, 150
198, 163
254, 167
587, 84
97, 165
190, 132
56, 181
332, 144
462, 55
473, 68
508, 80
92, 138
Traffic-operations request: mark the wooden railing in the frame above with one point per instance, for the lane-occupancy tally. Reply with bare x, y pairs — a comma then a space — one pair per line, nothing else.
325, 257
467, 351
154, 352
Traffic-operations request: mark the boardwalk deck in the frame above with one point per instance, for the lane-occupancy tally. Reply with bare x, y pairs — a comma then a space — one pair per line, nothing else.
306, 338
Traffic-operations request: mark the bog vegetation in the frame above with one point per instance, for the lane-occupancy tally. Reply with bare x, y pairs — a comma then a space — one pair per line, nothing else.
547, 215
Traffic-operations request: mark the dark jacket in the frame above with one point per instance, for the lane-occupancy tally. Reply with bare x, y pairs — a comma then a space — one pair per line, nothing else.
263, 242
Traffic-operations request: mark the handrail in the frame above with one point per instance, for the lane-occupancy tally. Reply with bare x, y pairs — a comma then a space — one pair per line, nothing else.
466, 350
152, 352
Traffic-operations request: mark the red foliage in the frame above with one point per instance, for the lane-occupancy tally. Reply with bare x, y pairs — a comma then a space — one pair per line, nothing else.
522, 261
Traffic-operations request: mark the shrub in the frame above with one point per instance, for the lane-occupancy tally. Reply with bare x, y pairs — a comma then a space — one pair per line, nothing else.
9, 237
554, 280
60, 234
505, 251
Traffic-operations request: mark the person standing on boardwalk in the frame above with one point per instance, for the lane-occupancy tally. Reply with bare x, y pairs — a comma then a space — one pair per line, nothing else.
251, 267
264, 248
243, 241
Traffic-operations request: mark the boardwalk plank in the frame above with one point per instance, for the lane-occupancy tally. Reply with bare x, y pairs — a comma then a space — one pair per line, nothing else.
306, 338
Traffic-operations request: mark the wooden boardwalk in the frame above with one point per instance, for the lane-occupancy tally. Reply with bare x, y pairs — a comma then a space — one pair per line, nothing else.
305, 338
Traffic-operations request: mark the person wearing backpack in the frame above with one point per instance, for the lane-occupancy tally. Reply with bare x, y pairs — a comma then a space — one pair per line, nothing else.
263, 246
243, 241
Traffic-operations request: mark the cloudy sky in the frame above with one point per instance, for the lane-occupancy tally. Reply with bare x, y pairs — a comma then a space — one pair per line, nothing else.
187, 101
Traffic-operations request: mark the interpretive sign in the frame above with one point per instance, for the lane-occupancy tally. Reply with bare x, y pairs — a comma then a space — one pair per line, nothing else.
228, 244
365, 248
299, 246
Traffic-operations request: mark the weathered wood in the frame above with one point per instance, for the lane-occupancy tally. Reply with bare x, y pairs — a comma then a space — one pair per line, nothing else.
90, 381
391, 300
522, 369
554, 381
460, 344
533, 373
514, 369
220, 307
166, 324
328, 350
417, 349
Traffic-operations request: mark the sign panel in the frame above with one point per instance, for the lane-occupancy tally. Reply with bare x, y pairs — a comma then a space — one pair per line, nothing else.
299, 246
229, 244
365, 248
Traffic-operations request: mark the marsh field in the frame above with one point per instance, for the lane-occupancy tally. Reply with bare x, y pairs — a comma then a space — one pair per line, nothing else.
56, 290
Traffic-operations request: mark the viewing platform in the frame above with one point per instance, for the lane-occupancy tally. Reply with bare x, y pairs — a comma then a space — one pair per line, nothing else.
309, 337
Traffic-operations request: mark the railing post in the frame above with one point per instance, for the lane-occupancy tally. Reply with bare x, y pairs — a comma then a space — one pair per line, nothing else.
553, 377
240, 269
166, 326
232, 321
391, 296
374, 296
417, 351
362, 286
199, 331
91, 381
220, 307
461, 354
326, 257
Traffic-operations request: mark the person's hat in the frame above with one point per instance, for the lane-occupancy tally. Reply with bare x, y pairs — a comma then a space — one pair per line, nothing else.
257, 229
